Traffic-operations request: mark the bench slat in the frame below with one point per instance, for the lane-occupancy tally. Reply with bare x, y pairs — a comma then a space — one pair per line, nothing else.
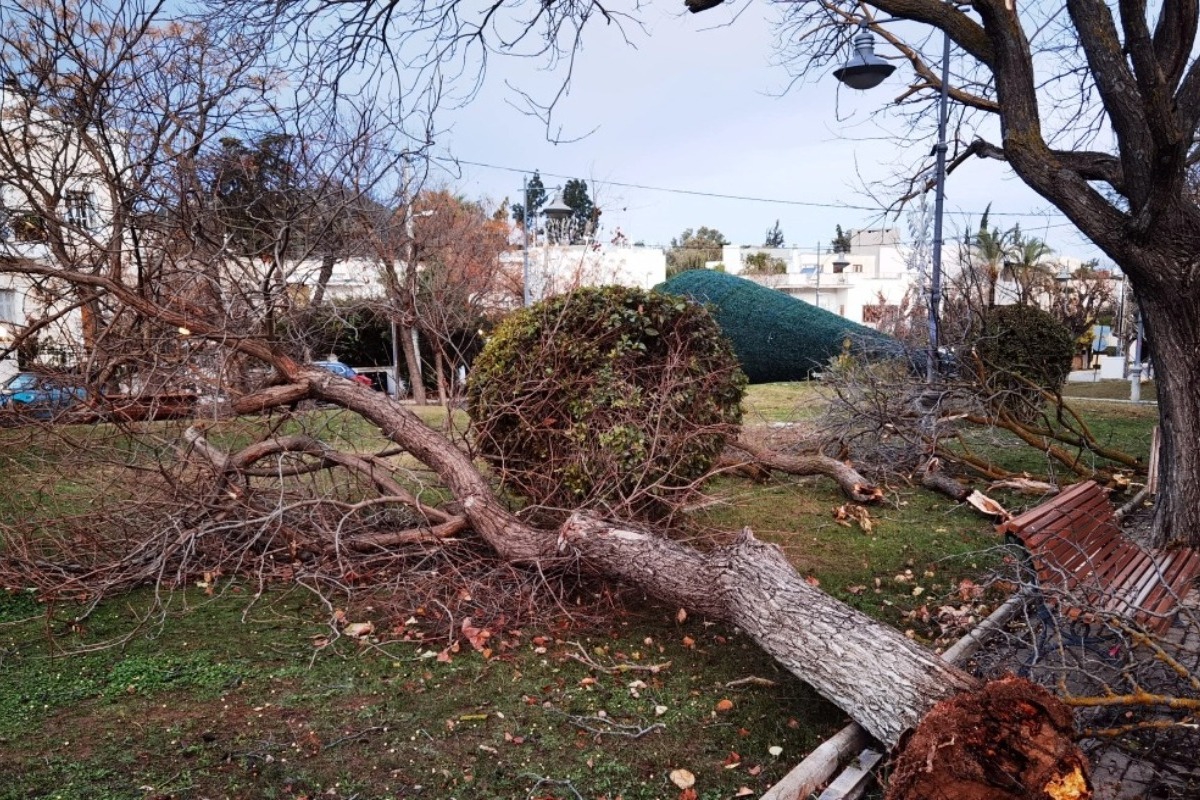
1075, 547
1097, 511
1176, 581
1078, 557
1031, 518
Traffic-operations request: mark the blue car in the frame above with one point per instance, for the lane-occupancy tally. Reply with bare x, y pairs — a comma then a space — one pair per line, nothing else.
34, 396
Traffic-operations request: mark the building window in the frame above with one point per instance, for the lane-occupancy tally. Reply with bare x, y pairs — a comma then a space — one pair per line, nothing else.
8, 305
78, 209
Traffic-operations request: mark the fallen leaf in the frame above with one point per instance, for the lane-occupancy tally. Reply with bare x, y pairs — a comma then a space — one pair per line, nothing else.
858, 589
968, 590
775, 750
444, 656
689, 642
744, 791
660, 710
811, 581
681, 616
755, 770
359, 630
682, 778
725, 704
476, 636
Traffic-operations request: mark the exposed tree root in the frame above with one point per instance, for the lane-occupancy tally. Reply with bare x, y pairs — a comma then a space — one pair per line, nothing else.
1010, 740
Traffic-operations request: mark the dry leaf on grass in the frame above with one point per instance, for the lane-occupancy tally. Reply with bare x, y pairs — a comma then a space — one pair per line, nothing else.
846, 514
682, 778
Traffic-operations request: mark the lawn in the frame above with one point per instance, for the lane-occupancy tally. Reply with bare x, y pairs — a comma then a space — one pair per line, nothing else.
233, 693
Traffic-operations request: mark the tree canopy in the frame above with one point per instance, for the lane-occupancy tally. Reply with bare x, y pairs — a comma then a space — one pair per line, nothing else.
692, 249
774, 237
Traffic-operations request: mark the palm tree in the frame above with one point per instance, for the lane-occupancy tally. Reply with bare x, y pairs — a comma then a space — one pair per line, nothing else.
989, 251
1027, 266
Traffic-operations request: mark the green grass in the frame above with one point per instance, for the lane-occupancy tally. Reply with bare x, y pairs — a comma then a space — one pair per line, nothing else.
916, 539
782, 402
225, 702
1109, 390
232, 697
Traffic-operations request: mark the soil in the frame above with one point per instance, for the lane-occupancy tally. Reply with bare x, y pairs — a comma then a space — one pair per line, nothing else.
1011, 739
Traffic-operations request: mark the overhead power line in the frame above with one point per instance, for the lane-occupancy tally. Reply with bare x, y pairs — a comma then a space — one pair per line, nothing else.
1045, 213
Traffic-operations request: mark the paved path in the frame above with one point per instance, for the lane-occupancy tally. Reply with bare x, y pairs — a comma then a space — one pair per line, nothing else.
1135, 765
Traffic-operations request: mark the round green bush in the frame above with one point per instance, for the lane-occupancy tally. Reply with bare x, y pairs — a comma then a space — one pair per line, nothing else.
612, 399
1022, 345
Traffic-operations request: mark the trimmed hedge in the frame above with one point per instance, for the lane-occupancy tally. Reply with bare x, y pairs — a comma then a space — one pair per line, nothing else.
1023, 341
610, 398
777, 337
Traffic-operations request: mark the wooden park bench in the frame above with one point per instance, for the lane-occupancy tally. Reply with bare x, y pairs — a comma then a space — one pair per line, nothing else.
1090, 571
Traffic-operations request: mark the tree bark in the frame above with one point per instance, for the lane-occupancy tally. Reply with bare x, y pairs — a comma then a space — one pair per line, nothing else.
1173, 324
412, 357
884, 681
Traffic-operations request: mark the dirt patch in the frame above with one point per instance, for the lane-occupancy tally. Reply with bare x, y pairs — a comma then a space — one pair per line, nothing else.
1010, 740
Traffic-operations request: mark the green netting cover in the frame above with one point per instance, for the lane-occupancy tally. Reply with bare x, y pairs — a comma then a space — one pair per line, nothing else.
777, 337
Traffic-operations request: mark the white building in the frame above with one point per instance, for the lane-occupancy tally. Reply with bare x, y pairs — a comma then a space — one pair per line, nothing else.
53, 209
853, 285
555, 269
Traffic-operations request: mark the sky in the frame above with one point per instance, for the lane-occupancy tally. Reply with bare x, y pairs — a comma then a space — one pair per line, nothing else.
697, 109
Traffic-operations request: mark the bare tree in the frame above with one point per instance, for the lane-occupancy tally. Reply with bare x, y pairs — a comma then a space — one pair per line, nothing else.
463, 283
1097, 110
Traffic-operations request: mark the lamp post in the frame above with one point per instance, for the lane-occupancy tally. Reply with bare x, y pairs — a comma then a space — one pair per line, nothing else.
865, 70
525, 233
1135, 369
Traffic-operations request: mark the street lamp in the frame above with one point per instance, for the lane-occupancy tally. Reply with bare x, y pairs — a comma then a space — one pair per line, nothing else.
865, 70
558, 212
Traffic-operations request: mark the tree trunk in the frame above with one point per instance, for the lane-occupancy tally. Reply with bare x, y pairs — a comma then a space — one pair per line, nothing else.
841, 652
439, 367
324, 275
412, 357
884, 681
1173, 326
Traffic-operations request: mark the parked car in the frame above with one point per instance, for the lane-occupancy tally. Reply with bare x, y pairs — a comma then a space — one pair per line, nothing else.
36, 396
347, 372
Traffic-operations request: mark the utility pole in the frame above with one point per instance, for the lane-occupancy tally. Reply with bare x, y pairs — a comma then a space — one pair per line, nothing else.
818, 303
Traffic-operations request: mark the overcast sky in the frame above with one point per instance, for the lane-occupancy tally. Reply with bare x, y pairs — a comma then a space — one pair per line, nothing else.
699, 106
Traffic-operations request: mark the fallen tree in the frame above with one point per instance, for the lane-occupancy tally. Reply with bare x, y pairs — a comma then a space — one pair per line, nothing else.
884, 681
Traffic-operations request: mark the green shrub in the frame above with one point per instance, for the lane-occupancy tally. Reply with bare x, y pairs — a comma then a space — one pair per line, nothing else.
613, 399
1018, 346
